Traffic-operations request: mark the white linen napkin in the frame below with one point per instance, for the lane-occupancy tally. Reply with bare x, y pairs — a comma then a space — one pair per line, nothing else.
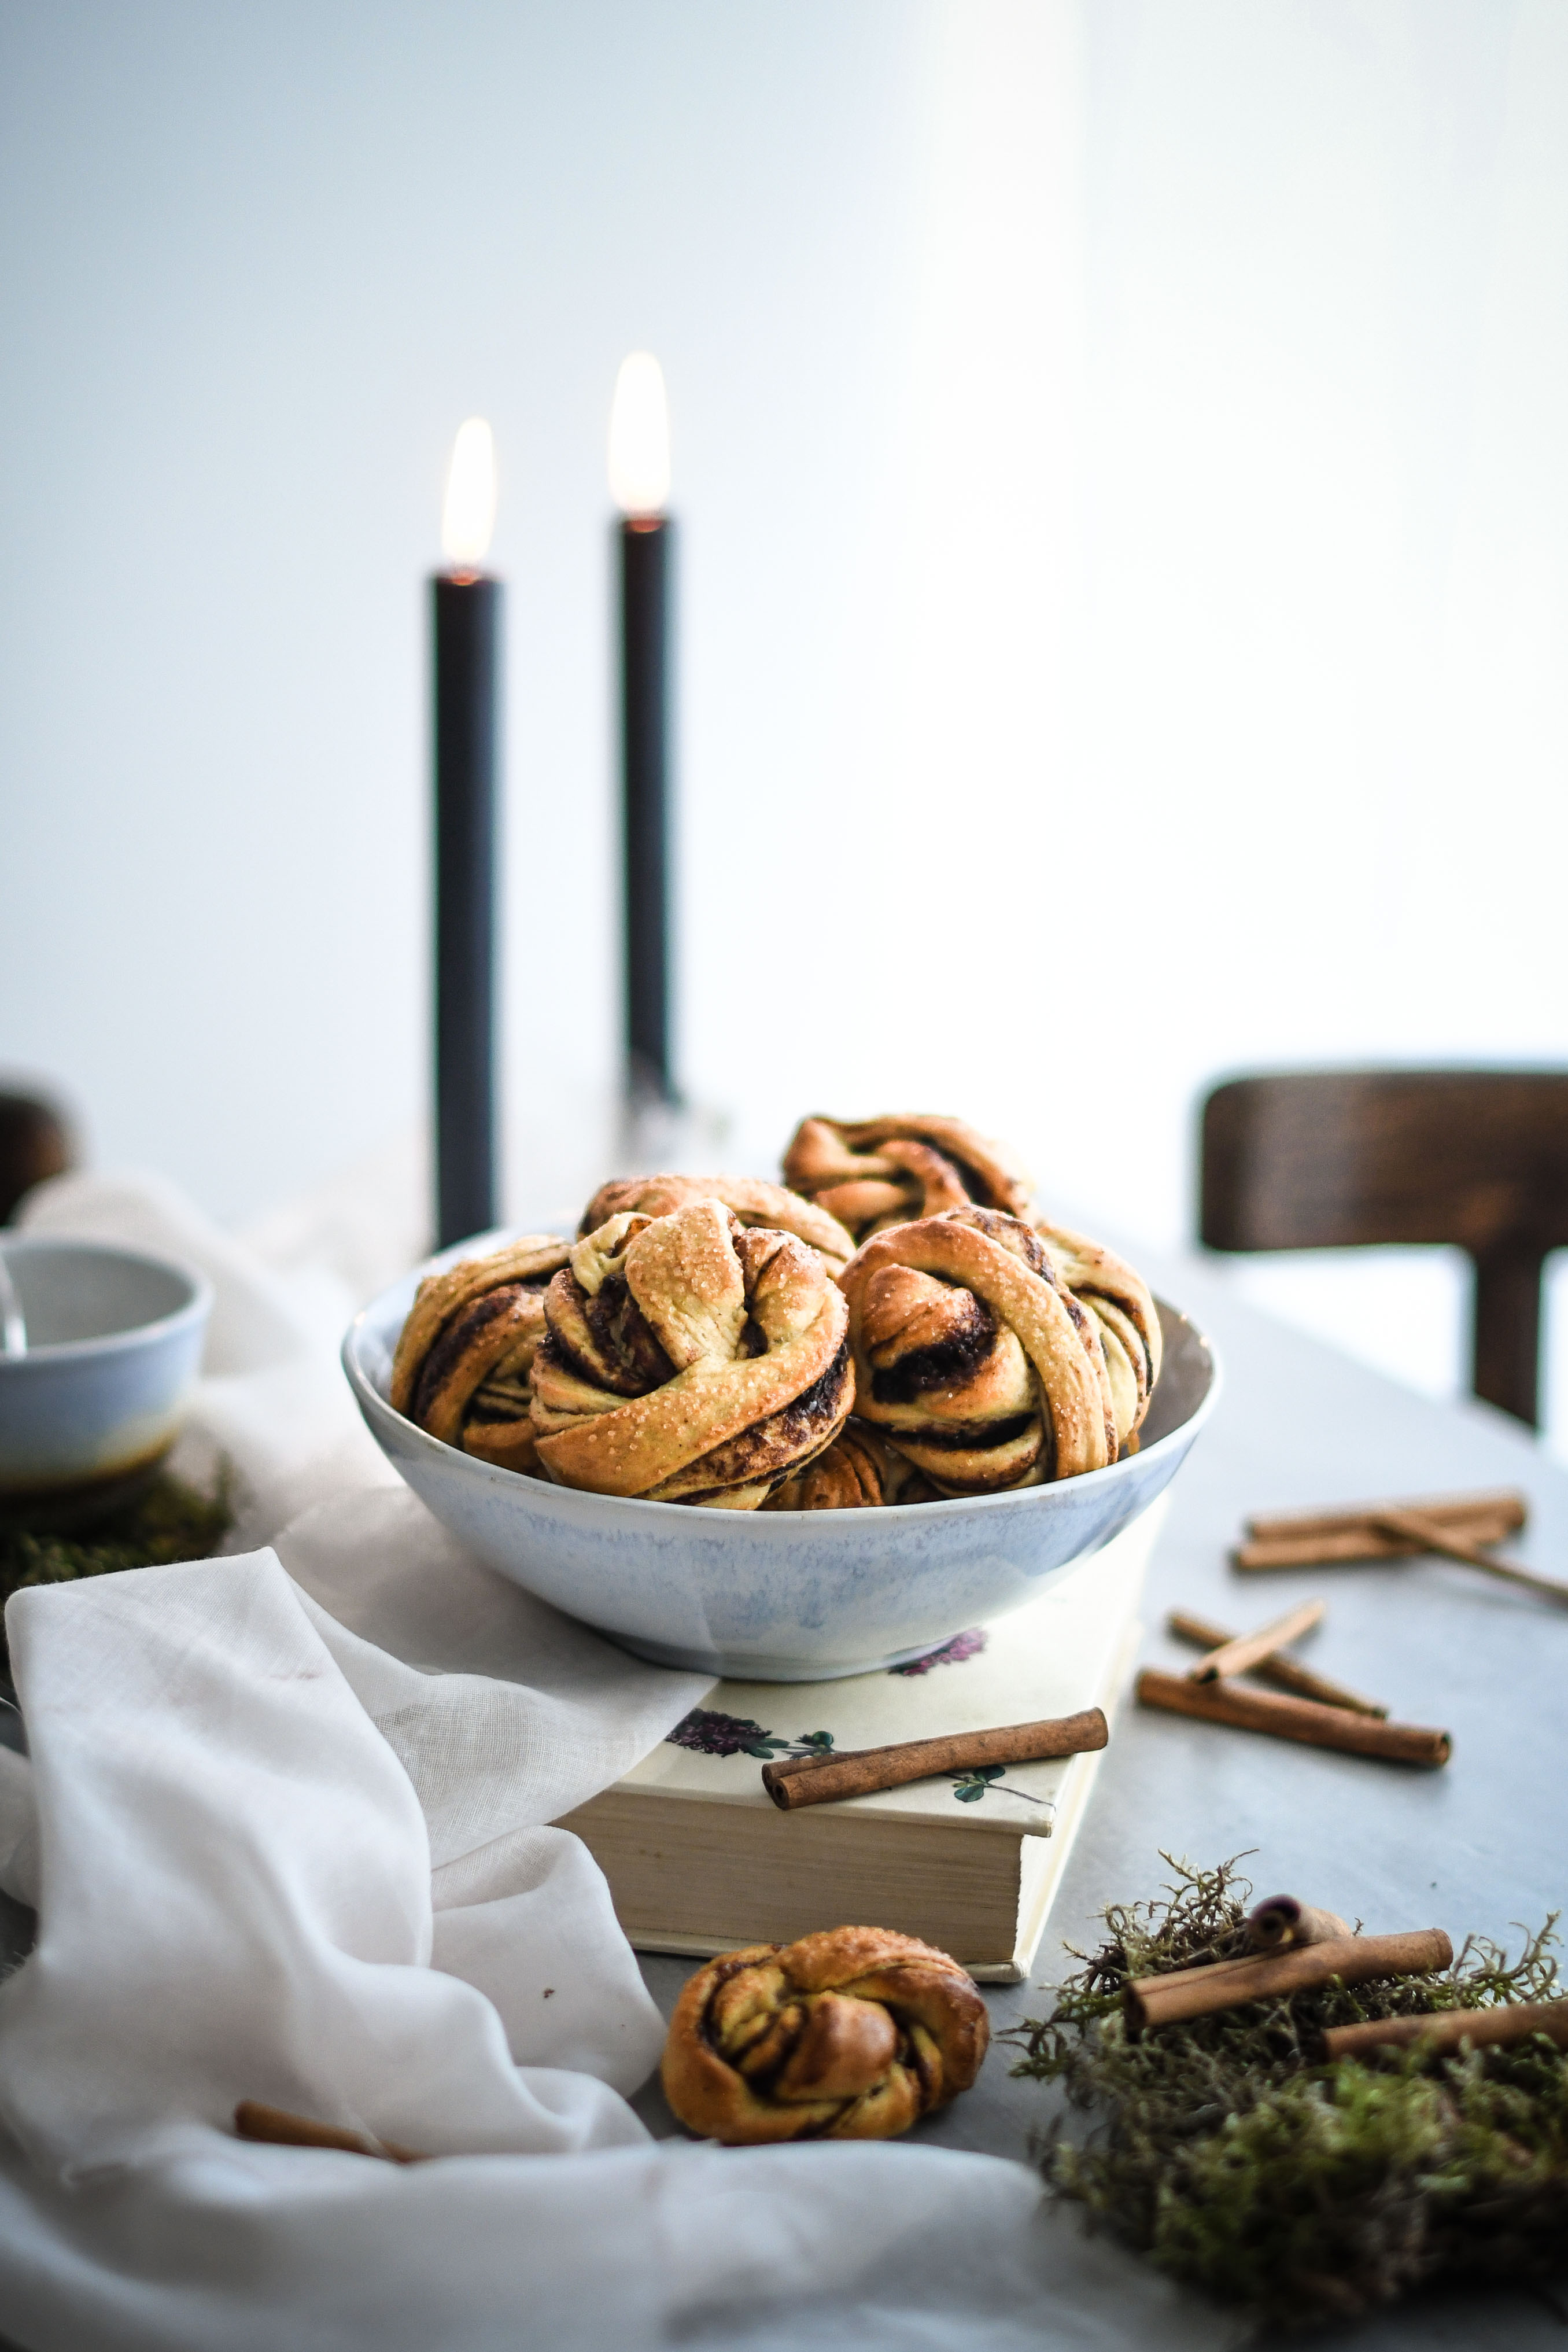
235, 1899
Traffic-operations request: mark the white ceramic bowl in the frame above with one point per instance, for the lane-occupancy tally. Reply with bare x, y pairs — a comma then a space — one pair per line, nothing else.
776, 1596
114, 1339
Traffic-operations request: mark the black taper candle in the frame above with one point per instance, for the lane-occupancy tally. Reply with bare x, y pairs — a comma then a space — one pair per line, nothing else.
468, 626
646, 557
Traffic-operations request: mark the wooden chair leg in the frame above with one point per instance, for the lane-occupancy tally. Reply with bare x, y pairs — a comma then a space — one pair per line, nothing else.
1506, 1357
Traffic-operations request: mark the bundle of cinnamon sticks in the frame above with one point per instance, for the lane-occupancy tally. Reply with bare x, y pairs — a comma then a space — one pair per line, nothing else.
1454, 1526
1307, 1709
1295, 1949
1183, 1994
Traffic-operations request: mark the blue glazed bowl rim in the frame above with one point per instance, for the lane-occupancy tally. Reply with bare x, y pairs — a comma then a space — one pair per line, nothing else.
195, 1310
376, 1409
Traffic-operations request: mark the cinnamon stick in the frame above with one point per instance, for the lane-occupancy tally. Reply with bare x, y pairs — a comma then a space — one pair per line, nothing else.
1336, 1538
1502, 1507
1500, 2028
253, 2120
1348, 1548
861, 1772
1244, 1650
1352, 1959
1284, 1924
1275, 1668
1212, 1972
1293, 1719
1433, 1535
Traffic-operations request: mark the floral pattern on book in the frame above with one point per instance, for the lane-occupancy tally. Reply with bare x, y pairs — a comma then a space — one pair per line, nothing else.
713, 1733
951, 1653
981, 1780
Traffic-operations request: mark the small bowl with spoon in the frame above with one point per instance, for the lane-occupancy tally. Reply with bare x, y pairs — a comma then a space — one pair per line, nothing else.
98, 1346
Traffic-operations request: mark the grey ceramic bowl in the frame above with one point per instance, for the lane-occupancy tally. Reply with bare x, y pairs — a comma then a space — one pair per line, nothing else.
114, 1339
776, 1596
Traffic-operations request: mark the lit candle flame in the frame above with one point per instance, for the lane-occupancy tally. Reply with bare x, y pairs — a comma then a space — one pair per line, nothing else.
468, 517
640, 437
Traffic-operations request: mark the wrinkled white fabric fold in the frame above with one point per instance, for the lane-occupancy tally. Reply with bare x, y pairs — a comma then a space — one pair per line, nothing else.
216, 2247
235, 1896
517, 1714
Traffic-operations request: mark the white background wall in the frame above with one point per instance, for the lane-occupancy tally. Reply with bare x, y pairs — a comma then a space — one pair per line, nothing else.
1120, 462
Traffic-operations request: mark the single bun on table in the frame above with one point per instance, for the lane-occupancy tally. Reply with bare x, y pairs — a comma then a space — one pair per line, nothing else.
464, 1355
852, 2034
972, 1358
748, 1198
688, 1359
873, 1172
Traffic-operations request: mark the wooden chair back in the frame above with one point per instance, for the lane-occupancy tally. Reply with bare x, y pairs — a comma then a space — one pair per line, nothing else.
1347, 1159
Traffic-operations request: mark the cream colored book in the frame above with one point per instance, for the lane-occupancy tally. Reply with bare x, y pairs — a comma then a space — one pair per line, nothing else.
699, 1859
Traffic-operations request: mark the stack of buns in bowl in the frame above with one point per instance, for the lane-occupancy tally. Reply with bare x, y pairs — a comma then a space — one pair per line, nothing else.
888, 1326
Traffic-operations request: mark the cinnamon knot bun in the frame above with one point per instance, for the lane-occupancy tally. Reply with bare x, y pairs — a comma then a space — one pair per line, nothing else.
464, 1355
857, 1472
1123, 1305
748, 1198
851, 2034
870, 1174
689, 1359
972, 1358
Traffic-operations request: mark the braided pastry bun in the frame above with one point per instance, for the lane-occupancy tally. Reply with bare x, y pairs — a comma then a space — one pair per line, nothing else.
464, 1355
689, 1360
972, 1356
1123, 1305
851, 2034
857, 1471
747, 1197
875, 1172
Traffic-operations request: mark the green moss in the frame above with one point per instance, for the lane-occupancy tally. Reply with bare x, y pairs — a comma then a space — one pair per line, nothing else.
1304, 2192
167, 1521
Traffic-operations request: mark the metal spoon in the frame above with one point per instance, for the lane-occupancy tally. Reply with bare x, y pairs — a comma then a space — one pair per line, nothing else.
13, 1322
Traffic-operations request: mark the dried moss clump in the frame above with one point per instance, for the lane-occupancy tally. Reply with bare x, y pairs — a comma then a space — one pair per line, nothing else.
1305, 2192
168, 1521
